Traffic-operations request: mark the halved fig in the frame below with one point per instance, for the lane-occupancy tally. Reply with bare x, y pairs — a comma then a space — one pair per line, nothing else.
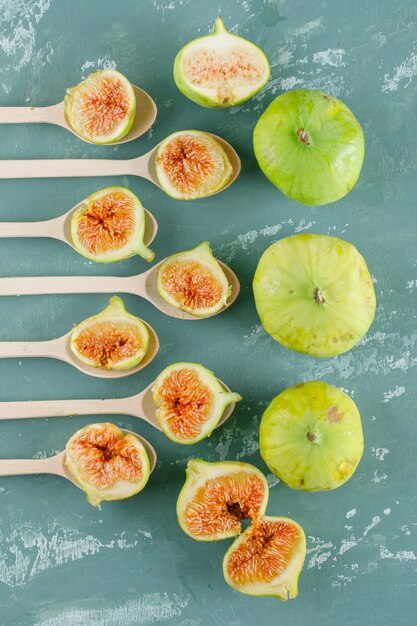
101, 109
193, 281
221, 69
112, 340
190, 402
192, 164
314, 294
311, 436
107, 463
216, 497
110, 226
267, 558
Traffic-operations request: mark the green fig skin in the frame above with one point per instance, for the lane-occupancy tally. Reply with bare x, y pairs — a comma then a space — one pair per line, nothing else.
310, 146
311, 436
314, 294
216, 102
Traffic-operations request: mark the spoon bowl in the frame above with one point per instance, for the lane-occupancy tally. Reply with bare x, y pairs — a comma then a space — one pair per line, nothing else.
145, 116
158, 301
151, 226
57, 464
60, 349
230, 152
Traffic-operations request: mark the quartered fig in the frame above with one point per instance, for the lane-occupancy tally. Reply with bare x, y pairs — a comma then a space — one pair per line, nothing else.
314, 294
190, 402
267, 558
221, 69
311, 436
216, 497
101, 109
193, 281
110, 226
112, 340
310, 146
192, 164
107, 463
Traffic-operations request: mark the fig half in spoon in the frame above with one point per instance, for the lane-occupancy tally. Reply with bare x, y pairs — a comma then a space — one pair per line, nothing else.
221, 69
190, 402
192, 164
101, 109
193, 281
112, 340
107, 463
110, 226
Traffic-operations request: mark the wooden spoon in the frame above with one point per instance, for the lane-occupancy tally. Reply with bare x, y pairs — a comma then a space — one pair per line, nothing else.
143, 285
56, 464
55, 114
143, 166
60, 228
60, 349
141, 405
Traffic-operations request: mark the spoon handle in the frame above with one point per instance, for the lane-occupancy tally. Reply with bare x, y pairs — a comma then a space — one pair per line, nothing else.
40, 285
28, 115
22, 349
48, 228
57, 408
15, 467
64, 168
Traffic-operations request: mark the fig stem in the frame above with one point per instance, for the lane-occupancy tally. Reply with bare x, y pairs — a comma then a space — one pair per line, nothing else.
219, 26
303, 136
311, 436
318, 296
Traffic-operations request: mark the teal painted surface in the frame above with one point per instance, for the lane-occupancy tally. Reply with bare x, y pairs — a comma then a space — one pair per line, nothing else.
63, 562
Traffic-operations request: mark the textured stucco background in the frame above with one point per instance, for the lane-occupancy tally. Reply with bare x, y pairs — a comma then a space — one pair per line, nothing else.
63, 562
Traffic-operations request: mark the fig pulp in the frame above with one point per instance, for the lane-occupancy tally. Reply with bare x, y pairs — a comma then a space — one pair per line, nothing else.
311, 436
193, 281
192, 164
190, 402
216, 497
221, 69
109, 226
267, 558
107, 463
310, 146
112, 340
101, 109
314, 294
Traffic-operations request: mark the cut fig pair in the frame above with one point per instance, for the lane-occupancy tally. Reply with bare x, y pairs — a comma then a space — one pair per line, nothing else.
267, 557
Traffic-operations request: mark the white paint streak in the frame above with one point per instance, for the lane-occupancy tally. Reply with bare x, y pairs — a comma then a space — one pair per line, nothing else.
151, 608
393, 393
347, 544
307, 28
331, 56
403, 74
320, 553
378, 478
404, 556
29, 550
380, 453
100, 63
18, 19
375, 521
244, 241
350, 513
